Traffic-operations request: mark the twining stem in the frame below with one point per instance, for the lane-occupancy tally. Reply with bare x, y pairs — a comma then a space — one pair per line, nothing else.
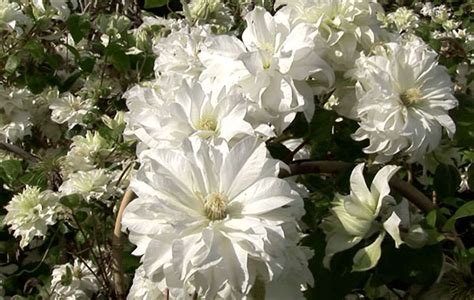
330, 167
117, 248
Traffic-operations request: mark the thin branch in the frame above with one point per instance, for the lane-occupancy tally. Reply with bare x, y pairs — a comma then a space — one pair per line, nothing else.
18, 151
117, 247
330, 167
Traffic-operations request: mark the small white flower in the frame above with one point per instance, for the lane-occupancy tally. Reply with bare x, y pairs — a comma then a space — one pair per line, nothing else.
15, 118
92, 184
63, 8
440, 14
205, 216
30, 213
178, 53
213, 12
403, 101
86, 152
74, 282
427, 9
71, 109
404, 19
11, 16
354, 216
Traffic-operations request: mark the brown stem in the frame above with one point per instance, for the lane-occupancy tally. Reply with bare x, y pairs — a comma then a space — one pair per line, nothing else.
329, 167
18, 151
117, 248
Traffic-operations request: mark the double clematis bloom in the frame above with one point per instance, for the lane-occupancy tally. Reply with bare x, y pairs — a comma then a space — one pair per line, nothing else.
270, 65
215, 218
213, 115
403, 101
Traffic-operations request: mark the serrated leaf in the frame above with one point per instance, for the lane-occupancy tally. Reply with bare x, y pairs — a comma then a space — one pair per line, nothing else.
155, 3
467, 210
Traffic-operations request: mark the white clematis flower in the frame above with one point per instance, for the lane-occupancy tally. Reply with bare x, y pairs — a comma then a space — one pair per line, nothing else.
354, 217
71, 109
86, 151
346, 26
403, 101
30, 213
213, 115
15, 118
204, 216
270, 66
11, 16
178, 53
92, 184
74, 281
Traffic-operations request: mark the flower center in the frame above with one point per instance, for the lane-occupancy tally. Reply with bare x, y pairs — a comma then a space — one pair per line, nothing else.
77, 272
411, 97
215, 206
207, 123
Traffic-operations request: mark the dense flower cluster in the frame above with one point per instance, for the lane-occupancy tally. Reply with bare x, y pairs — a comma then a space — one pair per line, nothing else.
206, 116
209, 200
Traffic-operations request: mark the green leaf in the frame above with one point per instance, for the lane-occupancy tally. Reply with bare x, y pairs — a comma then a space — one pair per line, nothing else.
69, 82
81, 216
10, 170
155, 3
66, 279
35, 49
367, 258
79, 26
467, 210
446, 180
80, 238
410, 266
431, 218
12, 63
119, 58
35, 177
71, 201
337, 282
87, 64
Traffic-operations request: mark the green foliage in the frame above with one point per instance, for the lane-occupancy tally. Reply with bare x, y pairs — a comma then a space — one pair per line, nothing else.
467, 210
446, 180
155, 3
